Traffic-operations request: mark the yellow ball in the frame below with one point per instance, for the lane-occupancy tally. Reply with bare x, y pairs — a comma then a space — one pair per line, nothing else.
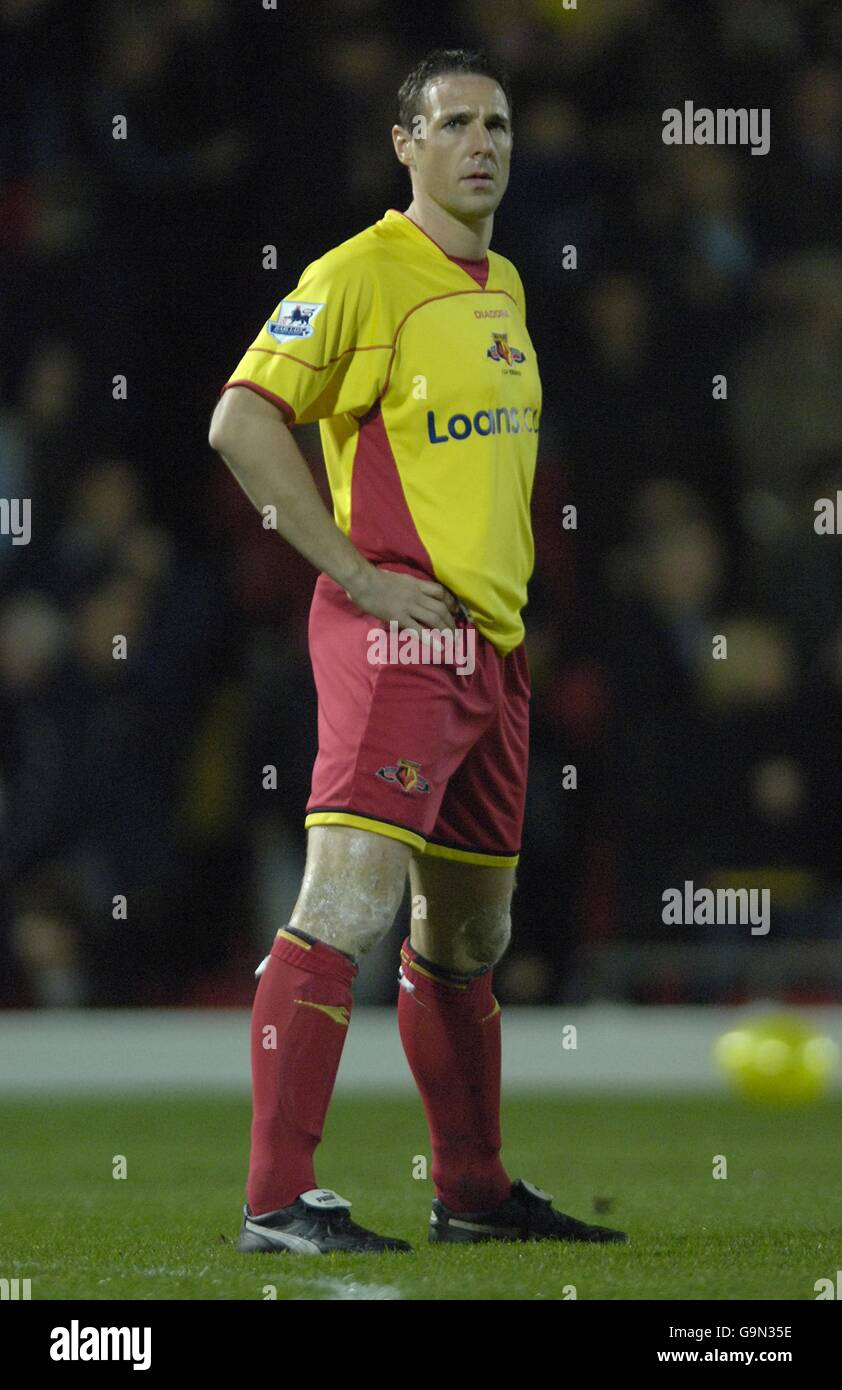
777, 1060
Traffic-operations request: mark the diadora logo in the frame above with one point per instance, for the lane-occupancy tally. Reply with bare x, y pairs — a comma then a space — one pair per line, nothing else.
503, 420
502, 352
406, 774
294, 320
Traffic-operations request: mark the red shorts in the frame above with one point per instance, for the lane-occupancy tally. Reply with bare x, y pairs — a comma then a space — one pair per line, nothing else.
418, 752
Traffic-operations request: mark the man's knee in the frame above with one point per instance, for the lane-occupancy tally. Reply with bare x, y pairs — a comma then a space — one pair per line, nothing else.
353, 886
487, 934
467, 944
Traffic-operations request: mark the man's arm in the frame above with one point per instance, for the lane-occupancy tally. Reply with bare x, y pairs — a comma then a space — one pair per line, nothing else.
252, 437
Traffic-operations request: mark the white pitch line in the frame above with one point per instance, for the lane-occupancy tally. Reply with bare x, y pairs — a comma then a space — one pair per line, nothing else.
334, 1288
350, 1288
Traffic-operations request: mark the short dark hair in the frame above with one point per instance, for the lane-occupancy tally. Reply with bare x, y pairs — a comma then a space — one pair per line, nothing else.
437, 64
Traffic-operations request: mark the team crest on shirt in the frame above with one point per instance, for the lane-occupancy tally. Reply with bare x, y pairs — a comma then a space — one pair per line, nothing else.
406, 774
502, 352
294, 319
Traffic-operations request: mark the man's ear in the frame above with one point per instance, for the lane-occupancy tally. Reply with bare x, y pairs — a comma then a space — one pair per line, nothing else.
402, 144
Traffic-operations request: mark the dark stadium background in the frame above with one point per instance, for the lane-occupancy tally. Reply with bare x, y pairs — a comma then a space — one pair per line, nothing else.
143, 257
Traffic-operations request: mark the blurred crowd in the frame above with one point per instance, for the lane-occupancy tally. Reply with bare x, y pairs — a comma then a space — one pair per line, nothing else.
142, 857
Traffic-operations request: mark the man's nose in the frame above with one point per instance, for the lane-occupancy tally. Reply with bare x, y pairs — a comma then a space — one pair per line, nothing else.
482, 138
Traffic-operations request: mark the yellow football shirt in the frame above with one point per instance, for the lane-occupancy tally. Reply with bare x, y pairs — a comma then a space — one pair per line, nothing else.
425, 385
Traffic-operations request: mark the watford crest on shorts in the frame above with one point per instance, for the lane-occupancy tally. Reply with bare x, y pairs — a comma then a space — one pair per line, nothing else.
406, 774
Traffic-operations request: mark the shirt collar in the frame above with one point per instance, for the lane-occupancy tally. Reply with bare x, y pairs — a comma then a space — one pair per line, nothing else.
393, 217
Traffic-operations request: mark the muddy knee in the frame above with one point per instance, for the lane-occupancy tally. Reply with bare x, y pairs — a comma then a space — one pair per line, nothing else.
487, 935
347, 916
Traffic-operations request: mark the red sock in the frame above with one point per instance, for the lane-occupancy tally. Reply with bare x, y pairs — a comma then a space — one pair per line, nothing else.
304, 994
450, 1030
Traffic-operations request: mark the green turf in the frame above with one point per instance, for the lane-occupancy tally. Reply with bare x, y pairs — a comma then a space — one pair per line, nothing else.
767, 1232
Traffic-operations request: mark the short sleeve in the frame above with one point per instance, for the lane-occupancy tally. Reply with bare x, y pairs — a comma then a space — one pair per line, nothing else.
322, 353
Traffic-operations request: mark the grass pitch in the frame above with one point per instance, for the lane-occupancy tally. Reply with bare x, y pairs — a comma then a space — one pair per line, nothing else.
767, 1231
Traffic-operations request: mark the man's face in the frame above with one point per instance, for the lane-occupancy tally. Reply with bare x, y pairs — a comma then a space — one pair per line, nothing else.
462, 163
